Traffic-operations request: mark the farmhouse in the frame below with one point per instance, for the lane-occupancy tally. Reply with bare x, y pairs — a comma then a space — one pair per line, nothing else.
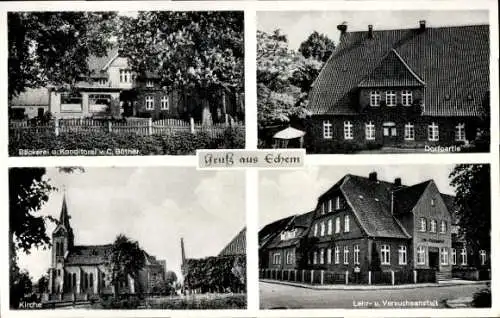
369, 223
406, 88
113, 89
86, 269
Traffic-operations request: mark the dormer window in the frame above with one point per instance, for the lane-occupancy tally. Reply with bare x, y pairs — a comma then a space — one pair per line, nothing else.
149, 83
375, 98
390, 98
406, 98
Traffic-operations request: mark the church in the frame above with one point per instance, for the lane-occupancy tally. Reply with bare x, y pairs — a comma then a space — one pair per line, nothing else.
86, 269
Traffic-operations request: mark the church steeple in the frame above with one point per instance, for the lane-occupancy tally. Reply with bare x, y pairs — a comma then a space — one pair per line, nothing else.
64, 216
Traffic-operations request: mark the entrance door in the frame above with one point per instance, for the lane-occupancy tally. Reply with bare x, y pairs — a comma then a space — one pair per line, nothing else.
434, 260
390, 133
40, 112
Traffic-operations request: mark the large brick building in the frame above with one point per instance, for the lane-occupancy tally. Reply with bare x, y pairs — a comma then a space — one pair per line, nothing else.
86, 269
360, 221
403, 88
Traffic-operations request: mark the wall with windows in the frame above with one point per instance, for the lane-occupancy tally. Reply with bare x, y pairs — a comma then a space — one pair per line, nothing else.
390, 253
282, 258
158, 104
390, 97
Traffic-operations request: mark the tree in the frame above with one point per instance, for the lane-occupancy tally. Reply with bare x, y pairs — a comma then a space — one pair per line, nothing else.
126, 261
20, 286
473, 203
43, 284
191, 51
51, 48
171, 277
317, 46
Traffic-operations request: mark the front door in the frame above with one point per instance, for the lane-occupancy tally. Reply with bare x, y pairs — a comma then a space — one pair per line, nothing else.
434, 260
40, 112
390, 132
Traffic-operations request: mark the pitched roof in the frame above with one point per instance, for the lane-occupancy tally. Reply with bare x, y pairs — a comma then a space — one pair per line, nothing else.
371, 204
89, 254
268, 232
237, 246
453, 62
406, 197
98, 64
449, 201
301, 222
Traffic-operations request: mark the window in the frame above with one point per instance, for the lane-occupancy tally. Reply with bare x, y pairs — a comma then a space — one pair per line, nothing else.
327, 129
460, 132
315, 257
346, 255
337, 203
482, 255
402, 255
102, 81
150, 103
421, 255
330, 205
390, 98
337, 225
370, 131
71, 98
330, 226
164, 102
423, 225
433, 226
463, 255
348, 134
290, 257
91, 278
149, 83
322, 256
322, 229
432, 202
409, 131
329, 255
356, 254
433, 132
337, 255
443, 227
316, 229
125, 76
443, 252
323, 208
276, 259
374, 98
346, 223
453, 256
385, 252
406, 98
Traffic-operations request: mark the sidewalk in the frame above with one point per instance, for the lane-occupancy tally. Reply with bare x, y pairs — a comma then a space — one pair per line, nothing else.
453, 282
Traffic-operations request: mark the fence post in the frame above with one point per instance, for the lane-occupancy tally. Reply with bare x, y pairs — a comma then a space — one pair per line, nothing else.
150, 126
369, 277
56, 126
191, 124
414, 276
312, 276
289, 275
347, 277
110, 129
303, 272
322, 276
392, 277
295, 276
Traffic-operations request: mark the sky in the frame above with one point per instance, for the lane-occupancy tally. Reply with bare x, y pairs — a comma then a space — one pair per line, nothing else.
298, 25
154, 205
284, 193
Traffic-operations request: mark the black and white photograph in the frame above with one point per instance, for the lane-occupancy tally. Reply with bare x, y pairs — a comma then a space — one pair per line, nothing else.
379, 236
127, 238
125, 83
352, 82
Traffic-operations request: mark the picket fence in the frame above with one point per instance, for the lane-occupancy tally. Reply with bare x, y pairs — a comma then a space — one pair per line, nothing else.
138, 126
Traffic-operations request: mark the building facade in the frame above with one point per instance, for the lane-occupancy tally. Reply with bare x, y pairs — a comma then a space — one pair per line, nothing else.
406, 88
371, 224
86, 269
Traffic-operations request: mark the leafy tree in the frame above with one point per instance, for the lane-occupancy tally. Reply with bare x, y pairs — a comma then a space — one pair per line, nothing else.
318, 46
43, 284
194, 51
51, 48
473, 203
20, 285
171, 277
127, 260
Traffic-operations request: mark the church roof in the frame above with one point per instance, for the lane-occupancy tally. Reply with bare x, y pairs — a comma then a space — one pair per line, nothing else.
89, 255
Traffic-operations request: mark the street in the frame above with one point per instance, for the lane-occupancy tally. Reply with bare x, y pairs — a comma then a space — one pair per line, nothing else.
277, 296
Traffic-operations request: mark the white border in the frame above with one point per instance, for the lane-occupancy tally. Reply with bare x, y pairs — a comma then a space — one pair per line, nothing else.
251, 9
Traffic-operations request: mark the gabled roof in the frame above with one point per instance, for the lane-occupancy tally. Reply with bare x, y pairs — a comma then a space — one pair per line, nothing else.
452, 61
237, 246
89, 254
300, 222
406, 198
98, 65
449, 201
268, 232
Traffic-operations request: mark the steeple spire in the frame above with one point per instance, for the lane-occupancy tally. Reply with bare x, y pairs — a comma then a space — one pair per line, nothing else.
64, 217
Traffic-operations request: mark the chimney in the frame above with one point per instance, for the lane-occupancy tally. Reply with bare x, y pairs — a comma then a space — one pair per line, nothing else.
397, 182
183, 252
372, 176
422, 25
342, 27
370, 31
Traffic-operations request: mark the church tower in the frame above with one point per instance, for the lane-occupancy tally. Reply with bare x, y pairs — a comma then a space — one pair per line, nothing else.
62, 242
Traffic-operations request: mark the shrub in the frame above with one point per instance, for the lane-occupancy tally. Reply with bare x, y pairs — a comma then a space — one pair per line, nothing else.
482, 298
120, 302
200, 302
